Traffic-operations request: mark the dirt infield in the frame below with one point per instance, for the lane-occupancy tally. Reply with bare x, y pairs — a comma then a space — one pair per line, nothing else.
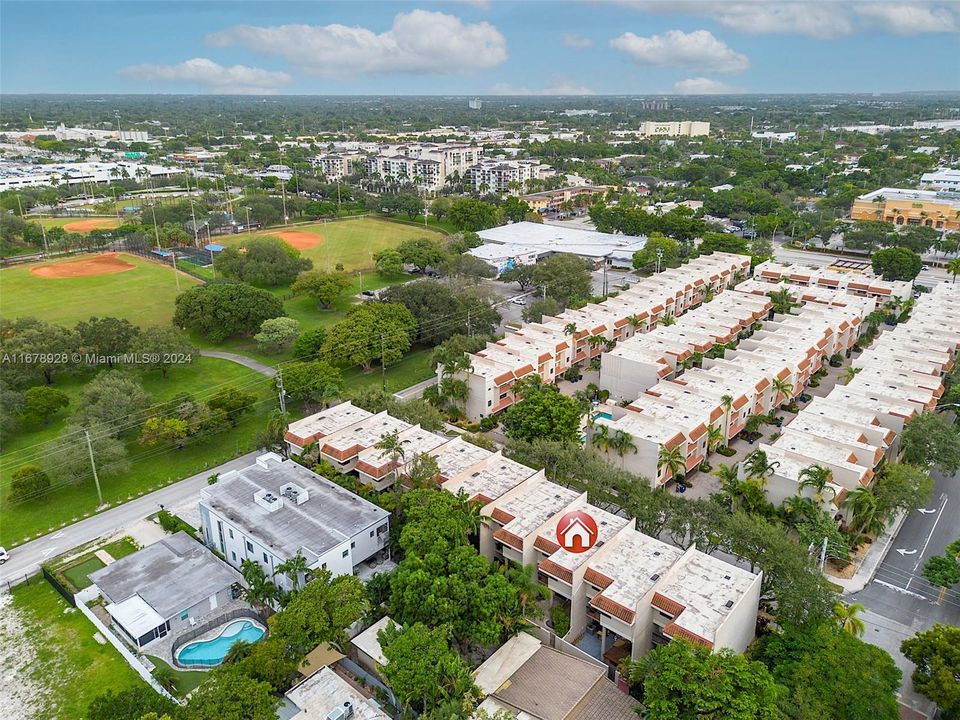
299, 240
82, 226
106, 264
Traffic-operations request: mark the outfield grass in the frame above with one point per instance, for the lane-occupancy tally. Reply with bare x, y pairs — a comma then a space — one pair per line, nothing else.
150, 468
71, 668
144, 296
50, 222
351, 243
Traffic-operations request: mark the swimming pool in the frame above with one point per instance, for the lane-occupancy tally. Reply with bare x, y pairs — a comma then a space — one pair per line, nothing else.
602, 414
211, 652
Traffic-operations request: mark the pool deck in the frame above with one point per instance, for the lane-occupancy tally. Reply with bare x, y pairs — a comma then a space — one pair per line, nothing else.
163, 647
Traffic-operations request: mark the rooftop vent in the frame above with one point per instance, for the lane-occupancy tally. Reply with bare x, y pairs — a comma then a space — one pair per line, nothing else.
656, 553
726, 577
655, 577
344, 712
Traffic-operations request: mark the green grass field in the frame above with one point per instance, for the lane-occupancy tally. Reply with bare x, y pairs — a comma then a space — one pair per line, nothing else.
150, 468
144, 296
78, 574
70, 667
349, 242
49, 222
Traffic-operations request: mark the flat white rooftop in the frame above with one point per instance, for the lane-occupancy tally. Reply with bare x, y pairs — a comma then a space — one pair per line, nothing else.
319, 425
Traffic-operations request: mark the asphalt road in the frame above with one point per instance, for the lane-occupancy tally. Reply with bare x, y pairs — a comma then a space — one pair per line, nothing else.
27, 558
899, 591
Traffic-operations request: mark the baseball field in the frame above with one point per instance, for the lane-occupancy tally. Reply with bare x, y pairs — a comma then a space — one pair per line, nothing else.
77, 288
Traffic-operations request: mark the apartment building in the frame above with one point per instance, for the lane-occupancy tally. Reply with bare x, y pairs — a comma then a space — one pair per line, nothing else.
854, 283
931, 208
941, 179
498, 176
427, 165
313, 428
274, 509
551, 200
550, 347
766, 370
337, 166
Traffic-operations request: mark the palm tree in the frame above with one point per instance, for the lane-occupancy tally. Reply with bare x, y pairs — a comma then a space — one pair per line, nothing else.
797, 508
529, 594
846, 617
715, 437
260, 591
782, 387
635, 321
668, 320
727, 402
293, 569
391, 445
622, 443
782, 300
817, 478
673, 460
866, 512
570, 329
953, 267
601, 438
849, 373
759, 467
595, 341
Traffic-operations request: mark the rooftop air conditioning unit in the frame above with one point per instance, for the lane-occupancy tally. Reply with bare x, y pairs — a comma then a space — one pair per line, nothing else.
344, 712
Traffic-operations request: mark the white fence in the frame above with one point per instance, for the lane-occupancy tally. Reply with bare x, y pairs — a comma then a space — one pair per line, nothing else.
91, 593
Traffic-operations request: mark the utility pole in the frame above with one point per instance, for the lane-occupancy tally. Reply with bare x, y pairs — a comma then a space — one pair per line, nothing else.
823, 554
283, 193
360, 273
659, 258
93, 466
383, 363
282, 394
196, 239
604, 276
469, 328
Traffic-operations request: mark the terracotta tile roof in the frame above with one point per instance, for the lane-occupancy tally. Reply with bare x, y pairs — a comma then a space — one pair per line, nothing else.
547, 546
501, 516
508, 538
675, 631
557, 571
615, 609
597, 579
666, 604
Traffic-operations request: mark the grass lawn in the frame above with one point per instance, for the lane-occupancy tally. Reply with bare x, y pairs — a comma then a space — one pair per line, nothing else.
350, 242
121, 548
144, 296
50, 222
71, 668
415, 367
150, 468
77, 575
184, 681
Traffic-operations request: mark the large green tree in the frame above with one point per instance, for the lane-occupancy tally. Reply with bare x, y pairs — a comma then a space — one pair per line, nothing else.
472, 214
320, 611
681, 681
127, 704
896, 263
114, 399
107, 337
229, 694
371, 332
323, 287
936, 653
161, 348
929, 440
542, 412
265, 262
315, 381
224, 309
443, 310
565, 276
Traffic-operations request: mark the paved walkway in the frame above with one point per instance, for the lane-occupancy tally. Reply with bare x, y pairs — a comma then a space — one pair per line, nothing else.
241, 360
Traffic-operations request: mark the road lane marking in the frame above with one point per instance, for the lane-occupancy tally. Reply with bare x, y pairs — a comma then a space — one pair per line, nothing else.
900, 589
906, 552
930, 535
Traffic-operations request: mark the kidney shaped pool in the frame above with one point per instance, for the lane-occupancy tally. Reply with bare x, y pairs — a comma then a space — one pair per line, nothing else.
211, 652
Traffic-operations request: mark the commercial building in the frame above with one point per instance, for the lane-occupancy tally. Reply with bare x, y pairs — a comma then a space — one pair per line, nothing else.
552, 346
553, 200
929, 208
18, 176
780, 137
941, 179
165, 587
682, 128
275, 509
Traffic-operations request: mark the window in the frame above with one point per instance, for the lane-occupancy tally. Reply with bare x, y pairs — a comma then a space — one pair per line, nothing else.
371, 533
266, 560
184, 615
230, 531
345, 553
353, 544
249, 546
234, 556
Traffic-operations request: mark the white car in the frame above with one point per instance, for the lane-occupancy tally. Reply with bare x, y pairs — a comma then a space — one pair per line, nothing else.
4, 555
519, 301
926, 267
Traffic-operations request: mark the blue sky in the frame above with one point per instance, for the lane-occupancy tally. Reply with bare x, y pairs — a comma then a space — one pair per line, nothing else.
479, 47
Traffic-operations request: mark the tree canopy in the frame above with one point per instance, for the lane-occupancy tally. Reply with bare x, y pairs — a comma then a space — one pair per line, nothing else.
543, 412
371, 331
265, 262
220, 310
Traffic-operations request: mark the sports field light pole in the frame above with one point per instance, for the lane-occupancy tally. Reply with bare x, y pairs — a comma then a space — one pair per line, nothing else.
283, 194
173, 254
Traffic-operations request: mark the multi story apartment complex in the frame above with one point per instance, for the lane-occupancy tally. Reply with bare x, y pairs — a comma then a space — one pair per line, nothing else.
275, 509
490, 175
862, 284
941, 179
684, 415
937, 209
630, 590
552, 346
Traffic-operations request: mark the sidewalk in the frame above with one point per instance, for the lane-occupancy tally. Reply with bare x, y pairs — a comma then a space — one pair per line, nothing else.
871, 561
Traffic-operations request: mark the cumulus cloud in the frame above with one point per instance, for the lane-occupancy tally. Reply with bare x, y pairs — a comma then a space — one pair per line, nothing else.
419, 41
577, 42
702, 86
216, 78
697, 50
553, 86
821, 19
909, 18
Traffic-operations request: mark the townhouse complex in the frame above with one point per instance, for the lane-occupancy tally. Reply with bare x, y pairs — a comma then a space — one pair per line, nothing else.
824, 277
429, 165
555, 344
630, 590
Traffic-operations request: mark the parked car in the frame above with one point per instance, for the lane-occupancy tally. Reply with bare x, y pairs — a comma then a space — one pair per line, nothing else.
519, 301
925, 267
4, 555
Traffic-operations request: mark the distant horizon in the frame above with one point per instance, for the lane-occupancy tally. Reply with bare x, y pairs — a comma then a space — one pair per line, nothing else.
496, 48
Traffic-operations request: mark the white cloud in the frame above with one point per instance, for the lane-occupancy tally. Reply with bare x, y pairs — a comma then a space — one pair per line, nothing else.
233, 80
554, 86
909, 18
697, 50
702, 86
820, 19
577, 42
419, 41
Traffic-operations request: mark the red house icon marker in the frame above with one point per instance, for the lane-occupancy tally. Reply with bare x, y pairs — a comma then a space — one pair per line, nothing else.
577, 532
